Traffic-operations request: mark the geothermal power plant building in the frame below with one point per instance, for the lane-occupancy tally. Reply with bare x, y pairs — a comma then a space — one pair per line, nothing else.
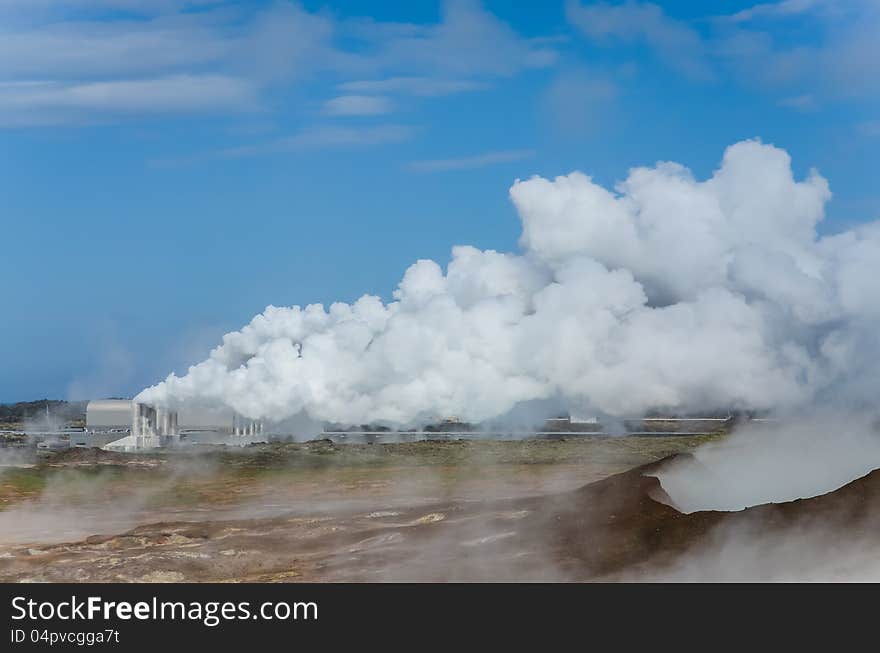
117, 415
127, 425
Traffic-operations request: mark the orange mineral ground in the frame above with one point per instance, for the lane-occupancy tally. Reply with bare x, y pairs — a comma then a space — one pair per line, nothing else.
251, 526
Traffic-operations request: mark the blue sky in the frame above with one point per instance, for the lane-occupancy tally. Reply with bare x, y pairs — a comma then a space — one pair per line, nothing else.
169, 171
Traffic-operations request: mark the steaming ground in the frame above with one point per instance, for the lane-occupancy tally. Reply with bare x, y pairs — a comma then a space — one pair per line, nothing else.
775, 462
285, 511
574, 510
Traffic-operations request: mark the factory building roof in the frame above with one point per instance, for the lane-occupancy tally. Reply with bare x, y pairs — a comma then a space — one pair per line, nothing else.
109, 413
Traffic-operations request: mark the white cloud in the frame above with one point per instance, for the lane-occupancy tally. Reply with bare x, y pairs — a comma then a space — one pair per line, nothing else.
91, 50
804, 102
632, 22
138, 6
314, 138
840, 60
324, 137
422, 86
870, 128
469, 41
358, 105
48, 103
576, 102
774, 463
782, 9
73, 44
470, 162
668, 292
286, 42
37, 12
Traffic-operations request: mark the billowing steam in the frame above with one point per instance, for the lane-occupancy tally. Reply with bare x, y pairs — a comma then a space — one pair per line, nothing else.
669, 293
806, 455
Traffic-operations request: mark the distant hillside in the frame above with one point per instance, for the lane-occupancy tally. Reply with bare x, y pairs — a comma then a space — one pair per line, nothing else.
35, 410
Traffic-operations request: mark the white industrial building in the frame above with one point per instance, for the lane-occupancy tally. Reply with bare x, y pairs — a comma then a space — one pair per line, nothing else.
199, 419
127, 425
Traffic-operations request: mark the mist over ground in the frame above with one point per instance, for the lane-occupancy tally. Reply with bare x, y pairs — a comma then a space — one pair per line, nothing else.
774, 462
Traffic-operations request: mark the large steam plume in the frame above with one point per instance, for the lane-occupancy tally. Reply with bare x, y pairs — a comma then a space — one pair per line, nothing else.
667, 293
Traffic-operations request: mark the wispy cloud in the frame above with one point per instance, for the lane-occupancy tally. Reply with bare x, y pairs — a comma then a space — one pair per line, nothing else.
315, 138
470, 162
323, 137
57, 103
421, 86
138, 7
358, 105
77, 50
841, 60
805, 102
870, 128
72, 44
641, 22
783, 9
576, 102
468, 42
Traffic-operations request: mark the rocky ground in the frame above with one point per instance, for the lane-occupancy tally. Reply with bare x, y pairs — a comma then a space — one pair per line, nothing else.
583, 509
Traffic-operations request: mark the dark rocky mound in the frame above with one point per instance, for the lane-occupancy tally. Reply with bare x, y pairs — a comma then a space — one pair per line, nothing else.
96, 456
620, 527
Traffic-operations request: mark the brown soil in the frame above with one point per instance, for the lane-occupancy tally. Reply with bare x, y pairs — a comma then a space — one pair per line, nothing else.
617, 527
95, 456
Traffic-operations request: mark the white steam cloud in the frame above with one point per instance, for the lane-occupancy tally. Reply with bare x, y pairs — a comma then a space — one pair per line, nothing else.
667, 293
807, 455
